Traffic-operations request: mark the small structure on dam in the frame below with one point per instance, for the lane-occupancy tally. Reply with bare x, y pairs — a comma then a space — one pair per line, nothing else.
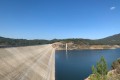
27, 63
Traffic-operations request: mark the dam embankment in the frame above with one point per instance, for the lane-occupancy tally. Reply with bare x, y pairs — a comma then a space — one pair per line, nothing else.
27, 63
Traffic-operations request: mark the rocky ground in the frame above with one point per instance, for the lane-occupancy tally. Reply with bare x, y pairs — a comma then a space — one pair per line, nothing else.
113, 74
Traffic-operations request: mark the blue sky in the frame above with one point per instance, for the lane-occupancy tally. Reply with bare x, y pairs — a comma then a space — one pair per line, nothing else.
49, 19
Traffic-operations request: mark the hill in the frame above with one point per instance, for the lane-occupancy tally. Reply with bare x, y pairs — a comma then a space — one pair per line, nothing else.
7, 42
111, 40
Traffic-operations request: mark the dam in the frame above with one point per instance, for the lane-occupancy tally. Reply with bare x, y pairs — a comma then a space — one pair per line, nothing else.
27, 63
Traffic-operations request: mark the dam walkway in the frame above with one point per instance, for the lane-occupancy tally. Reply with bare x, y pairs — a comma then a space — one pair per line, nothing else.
27, 63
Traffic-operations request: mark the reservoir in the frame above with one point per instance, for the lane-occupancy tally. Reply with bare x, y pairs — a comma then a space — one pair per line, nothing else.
76, 64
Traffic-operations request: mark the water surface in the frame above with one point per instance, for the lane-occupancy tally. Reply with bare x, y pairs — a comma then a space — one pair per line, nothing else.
76, 65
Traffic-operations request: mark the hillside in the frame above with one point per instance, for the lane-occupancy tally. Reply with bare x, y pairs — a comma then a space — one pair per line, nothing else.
73, 42
113, 74
7, 42
111, 40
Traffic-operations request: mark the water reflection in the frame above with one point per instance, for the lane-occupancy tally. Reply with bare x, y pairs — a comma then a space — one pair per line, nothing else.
76, 64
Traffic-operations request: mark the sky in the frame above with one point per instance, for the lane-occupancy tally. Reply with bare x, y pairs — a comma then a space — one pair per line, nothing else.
50, 19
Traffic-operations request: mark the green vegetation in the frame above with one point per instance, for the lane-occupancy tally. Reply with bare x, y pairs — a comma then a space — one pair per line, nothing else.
7, 42
114, 74
112, 40
100, 71
116, 65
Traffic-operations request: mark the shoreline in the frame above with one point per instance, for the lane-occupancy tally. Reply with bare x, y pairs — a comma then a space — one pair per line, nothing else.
72, 46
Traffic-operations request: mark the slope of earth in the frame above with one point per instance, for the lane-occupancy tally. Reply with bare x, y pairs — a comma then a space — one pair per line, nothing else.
27, 63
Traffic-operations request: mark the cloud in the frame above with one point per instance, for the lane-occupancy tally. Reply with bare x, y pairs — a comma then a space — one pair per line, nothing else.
112, 8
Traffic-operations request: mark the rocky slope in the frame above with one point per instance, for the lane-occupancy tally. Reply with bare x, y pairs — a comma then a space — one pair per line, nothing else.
113, 74
73, 46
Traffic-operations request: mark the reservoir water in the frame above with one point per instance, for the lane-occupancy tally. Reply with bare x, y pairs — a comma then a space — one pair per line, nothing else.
76, 65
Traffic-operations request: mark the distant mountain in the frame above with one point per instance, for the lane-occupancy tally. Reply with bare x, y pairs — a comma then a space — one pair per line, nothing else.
7, 42
111, 40
114, 37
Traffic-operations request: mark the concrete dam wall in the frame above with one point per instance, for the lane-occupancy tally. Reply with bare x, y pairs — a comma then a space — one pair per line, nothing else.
27, 63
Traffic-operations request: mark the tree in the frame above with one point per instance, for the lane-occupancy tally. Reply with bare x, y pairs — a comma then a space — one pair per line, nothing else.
102, 66
100, 71
95, 75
